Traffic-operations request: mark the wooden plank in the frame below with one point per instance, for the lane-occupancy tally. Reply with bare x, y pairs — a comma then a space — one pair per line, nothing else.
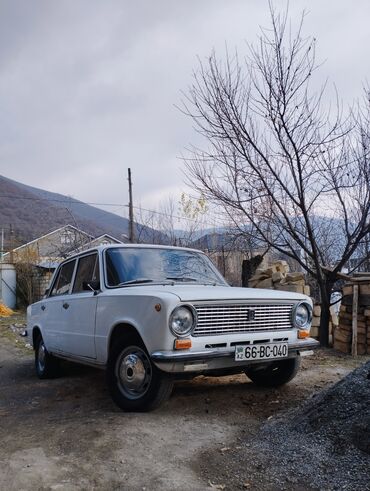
342, 276
354, 320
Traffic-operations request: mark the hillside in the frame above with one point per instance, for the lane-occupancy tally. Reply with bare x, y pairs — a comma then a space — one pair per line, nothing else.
32, 212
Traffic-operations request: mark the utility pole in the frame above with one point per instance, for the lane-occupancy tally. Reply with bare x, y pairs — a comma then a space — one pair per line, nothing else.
131, 209
2, 245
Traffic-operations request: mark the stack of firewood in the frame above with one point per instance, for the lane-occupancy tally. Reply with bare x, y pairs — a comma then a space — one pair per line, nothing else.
353, 332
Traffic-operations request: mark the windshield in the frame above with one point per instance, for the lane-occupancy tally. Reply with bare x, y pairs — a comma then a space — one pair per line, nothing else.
127, 266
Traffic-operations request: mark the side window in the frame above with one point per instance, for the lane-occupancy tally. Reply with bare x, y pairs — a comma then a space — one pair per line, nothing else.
87, 270
63, 280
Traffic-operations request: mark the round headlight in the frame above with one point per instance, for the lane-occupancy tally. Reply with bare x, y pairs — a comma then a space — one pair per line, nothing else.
182, 321
302, 315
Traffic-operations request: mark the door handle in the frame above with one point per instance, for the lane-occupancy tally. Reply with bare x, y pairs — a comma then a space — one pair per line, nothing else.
43, 307
65, 305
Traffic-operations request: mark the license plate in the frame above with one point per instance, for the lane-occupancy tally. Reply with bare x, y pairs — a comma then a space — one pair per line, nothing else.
261, 351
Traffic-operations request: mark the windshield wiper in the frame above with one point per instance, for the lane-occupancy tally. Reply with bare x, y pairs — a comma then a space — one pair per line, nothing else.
180, 278
137, 280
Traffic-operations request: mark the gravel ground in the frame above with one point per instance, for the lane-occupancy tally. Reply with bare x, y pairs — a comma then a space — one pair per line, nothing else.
323, 444
214, 433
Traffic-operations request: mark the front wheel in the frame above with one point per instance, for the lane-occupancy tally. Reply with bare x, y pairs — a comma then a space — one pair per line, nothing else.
46, 365
275, 374
135, 383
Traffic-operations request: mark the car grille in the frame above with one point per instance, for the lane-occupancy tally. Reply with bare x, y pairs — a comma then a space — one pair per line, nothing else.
237, 318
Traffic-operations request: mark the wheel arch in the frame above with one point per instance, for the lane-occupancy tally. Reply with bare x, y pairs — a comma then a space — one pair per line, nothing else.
123, 330
36, 333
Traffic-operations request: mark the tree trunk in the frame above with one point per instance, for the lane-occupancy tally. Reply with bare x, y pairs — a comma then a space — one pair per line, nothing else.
325, 293
249, 268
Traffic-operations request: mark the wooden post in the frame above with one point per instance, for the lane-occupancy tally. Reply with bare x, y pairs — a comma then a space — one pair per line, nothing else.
354, 320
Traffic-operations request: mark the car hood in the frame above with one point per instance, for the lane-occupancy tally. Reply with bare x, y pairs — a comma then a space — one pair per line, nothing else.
195, 293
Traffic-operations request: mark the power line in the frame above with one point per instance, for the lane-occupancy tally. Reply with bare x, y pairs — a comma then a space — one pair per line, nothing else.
116, 205
70, 201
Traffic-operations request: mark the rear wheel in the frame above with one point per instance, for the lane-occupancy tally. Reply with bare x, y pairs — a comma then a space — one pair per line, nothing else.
275, 374
135, 383
47, 366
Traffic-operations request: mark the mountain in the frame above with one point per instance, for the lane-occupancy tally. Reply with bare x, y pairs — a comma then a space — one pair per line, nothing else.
31, 212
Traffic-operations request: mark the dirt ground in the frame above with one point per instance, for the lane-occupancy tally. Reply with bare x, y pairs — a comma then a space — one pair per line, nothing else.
67, 433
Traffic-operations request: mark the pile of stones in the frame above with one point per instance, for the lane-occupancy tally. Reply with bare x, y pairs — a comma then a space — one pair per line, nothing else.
278, 277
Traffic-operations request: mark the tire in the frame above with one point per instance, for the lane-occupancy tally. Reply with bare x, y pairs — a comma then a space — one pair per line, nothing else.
134, 382
277, 373
46, 365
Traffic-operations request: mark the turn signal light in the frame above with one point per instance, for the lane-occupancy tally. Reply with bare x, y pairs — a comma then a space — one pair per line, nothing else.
182, 343
302, 334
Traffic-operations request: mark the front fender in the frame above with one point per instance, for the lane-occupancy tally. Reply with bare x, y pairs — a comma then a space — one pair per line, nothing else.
140, 312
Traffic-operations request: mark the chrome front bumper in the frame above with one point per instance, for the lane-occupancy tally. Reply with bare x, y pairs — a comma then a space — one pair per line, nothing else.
188, 355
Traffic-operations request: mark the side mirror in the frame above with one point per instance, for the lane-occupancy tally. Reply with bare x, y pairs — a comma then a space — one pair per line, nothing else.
93, 286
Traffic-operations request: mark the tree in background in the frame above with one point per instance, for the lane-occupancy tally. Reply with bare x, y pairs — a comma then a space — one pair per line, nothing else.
278, 159
173, 223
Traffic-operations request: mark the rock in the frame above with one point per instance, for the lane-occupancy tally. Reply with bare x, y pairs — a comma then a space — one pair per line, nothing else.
291, 288
267, 283
294, 277
282, 266
277, 277
259, 277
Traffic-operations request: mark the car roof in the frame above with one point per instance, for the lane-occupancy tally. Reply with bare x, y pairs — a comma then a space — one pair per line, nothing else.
130, 246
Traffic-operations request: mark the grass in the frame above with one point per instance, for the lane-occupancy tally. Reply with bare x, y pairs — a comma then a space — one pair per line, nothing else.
6, 332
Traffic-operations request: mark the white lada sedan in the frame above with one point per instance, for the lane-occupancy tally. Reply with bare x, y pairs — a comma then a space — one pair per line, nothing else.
150, 314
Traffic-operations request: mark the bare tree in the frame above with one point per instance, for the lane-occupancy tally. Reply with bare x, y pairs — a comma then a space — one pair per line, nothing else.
276, 160
173, 223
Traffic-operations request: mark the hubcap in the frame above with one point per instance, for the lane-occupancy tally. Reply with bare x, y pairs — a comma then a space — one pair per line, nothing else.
133, 372
41, 355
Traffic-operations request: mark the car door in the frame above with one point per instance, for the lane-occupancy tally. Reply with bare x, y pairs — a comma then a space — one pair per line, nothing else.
51, 307
79, 310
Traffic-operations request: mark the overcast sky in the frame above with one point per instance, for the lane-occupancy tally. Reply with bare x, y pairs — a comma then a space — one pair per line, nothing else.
89, 88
